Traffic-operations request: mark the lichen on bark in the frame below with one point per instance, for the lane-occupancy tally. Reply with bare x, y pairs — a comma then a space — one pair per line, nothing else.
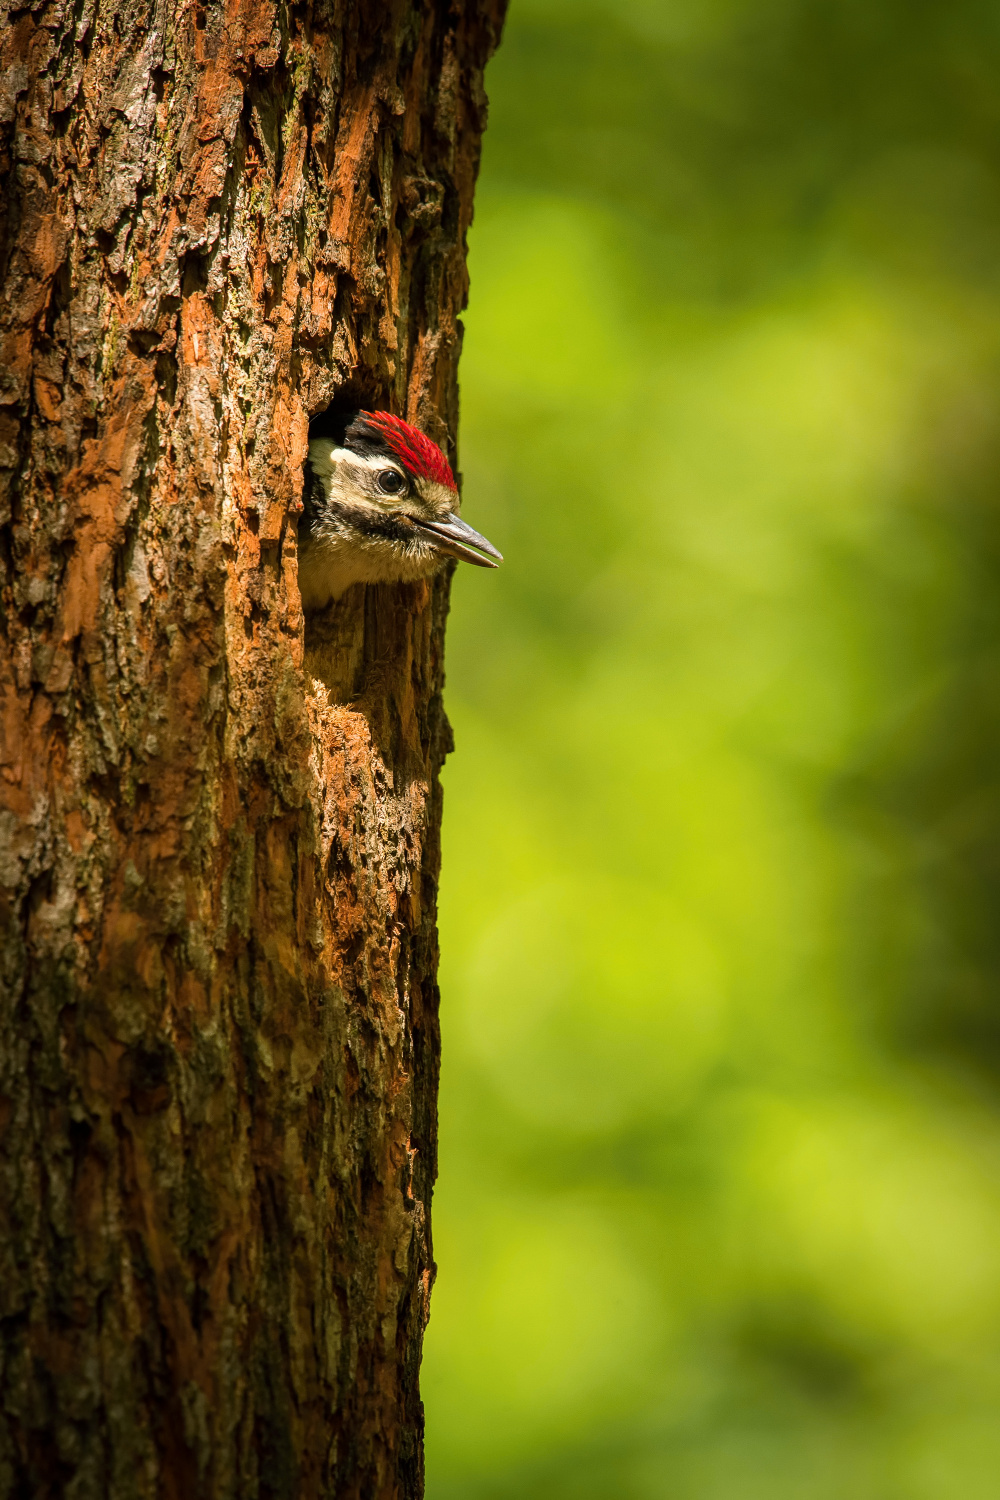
218, 821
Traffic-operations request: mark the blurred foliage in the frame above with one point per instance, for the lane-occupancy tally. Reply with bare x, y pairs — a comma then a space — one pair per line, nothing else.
719, 1207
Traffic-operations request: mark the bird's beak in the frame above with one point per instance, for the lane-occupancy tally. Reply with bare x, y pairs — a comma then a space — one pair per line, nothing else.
457, 539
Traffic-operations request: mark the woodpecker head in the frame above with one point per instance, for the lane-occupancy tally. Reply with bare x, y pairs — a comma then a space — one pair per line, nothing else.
381, 505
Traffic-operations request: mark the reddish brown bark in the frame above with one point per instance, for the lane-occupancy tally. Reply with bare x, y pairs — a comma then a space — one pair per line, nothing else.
219, 825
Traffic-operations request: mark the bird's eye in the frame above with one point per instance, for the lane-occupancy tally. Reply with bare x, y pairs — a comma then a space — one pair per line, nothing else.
390, 481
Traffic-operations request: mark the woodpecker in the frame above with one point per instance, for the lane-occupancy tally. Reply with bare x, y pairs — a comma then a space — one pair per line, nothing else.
381, 505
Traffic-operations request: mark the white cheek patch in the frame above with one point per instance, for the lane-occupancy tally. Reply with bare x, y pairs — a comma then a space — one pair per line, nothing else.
358, 460
374, 463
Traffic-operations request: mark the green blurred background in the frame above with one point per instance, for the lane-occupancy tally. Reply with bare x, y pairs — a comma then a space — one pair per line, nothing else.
719, 1207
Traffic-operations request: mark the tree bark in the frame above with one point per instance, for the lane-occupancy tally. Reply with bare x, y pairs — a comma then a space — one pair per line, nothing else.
219, 826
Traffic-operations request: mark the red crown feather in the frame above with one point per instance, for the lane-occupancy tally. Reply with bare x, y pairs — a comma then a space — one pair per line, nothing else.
415, 451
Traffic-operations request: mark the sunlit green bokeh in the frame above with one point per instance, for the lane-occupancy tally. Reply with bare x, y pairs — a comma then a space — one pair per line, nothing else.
719, 1207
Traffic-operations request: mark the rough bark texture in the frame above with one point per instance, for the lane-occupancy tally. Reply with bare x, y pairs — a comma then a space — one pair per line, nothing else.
219, 837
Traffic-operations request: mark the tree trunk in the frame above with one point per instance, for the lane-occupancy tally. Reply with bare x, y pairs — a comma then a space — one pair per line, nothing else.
219, 836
